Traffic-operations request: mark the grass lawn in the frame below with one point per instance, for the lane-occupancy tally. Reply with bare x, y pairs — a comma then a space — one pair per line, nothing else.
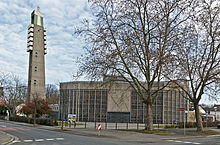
205, 132
165, 126
169, 132
157, 132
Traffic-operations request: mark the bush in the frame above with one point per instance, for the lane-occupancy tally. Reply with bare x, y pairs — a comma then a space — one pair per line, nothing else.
171, 126
210, 124
41, 121
193, 124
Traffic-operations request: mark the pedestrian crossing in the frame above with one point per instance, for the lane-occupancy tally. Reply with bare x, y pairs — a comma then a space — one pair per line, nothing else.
37, 140
183, 142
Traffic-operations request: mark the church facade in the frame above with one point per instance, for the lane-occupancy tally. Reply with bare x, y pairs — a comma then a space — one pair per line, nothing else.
118, 102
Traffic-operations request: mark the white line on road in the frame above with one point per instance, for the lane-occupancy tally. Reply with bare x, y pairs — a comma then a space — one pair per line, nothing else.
28, 140
39, 139
16, 141
170, 140
49, 139
196, 143
178, 141
59, 138
187, 142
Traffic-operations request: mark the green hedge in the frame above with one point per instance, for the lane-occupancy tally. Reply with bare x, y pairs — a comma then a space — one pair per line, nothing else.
171, 126
193, 124
41, 121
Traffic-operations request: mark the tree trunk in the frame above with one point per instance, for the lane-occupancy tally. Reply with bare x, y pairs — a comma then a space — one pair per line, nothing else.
198, 118
35, 112
149, 125
62, 115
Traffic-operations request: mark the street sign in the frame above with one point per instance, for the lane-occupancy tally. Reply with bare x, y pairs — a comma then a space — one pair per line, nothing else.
99, 127
207, 112
182, 109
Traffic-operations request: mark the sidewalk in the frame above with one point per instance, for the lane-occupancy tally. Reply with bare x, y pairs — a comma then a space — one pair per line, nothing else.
5, 138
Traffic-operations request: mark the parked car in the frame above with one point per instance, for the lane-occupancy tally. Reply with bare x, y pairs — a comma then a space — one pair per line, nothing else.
218, 126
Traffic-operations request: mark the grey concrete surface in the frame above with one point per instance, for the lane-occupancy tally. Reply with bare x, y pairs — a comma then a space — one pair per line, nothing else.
5, 138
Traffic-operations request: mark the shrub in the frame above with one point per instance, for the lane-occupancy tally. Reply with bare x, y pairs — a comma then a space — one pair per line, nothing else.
171, 126
193, 124
41, 121
210, 124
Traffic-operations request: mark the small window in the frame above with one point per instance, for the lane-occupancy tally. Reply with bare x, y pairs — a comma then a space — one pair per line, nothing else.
35, 82
35, 52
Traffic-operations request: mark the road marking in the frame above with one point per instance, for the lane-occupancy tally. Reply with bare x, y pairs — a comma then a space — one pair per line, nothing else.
16, 141
59, 138
170, 140
178, 141
28, 140
187, 142
39, 139
49, 139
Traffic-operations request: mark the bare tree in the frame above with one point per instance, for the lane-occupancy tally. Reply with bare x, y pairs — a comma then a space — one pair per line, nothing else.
14, 91
197, 54
132, 39
52, 94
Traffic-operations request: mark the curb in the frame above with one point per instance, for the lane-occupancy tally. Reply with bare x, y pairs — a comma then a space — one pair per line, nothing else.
184, 137
11, 136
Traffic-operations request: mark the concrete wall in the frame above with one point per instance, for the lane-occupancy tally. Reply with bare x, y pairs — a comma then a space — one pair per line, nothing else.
216, 114
36, 74
123, 102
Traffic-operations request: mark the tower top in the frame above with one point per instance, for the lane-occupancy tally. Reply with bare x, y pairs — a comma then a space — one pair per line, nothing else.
37, 17
38, 8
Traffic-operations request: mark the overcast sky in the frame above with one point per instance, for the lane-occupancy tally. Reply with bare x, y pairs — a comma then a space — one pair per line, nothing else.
60, 19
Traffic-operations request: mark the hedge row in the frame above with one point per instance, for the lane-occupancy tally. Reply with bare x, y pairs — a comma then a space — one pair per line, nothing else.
193, 124
41, 121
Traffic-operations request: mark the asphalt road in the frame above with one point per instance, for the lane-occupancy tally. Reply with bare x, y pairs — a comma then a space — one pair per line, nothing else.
34, 136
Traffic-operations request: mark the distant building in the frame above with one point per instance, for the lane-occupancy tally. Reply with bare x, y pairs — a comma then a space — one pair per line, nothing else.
36, 46
55, 110
215, 110
204, 113
118, 102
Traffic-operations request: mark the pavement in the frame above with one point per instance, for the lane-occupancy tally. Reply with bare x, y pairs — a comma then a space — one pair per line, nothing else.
5, 138
105, 133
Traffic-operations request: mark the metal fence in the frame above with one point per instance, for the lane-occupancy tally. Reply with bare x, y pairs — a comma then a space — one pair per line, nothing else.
104, 125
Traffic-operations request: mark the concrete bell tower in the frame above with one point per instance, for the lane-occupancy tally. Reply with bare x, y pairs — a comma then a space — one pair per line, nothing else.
36, 46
